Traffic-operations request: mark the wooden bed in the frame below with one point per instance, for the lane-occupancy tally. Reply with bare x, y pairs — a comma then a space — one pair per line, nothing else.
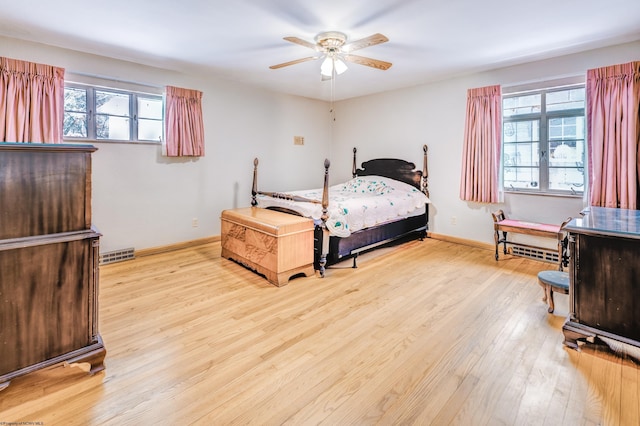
330, 249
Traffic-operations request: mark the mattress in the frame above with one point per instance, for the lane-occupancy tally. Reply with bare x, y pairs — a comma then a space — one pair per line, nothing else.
359, 203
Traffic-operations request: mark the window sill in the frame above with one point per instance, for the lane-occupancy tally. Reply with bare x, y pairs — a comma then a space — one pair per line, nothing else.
546, 194
94, 141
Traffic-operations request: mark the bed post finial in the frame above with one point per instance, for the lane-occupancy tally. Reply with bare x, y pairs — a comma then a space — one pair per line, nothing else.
353, 167
425, 171
254, 187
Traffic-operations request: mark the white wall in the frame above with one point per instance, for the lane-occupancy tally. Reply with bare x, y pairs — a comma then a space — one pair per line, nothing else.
143, 200
397, 124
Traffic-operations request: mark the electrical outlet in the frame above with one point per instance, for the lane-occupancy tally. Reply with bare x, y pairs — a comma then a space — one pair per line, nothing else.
454, 220
298, 140
194, 222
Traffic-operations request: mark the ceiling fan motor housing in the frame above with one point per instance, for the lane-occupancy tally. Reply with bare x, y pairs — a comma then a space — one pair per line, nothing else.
331, 40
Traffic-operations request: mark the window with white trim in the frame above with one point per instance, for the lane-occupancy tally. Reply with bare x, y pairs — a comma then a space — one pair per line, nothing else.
543, 137
100, 114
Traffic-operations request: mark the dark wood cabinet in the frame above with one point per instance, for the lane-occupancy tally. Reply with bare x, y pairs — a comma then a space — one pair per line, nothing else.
48, 260
604, 246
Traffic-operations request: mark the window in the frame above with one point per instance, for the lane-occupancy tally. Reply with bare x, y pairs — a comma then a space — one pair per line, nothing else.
543, 134
100, 114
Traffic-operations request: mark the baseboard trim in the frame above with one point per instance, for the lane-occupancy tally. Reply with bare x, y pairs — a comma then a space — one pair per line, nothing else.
463, 241
192, 243
177, 246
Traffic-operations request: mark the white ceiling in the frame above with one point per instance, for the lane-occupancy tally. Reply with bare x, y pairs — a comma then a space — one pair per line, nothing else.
239, 39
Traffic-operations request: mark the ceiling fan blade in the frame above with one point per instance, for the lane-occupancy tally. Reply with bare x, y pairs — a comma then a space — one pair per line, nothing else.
374, 63
304, 43
297, 61
365, 42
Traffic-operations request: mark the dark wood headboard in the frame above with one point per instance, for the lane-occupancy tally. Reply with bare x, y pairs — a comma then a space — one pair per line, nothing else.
401, 170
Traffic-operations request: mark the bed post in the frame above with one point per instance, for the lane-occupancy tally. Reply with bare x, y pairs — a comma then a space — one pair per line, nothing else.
425, 172
325, 191
324, 245
254, 187
353, 166
425, 188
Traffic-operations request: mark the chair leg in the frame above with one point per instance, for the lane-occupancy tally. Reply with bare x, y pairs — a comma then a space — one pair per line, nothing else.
552, 306
544, 291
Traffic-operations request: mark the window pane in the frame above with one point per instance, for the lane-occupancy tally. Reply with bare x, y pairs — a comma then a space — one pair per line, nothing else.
566, 178
566, 145
510, 155
112, 103
150, 130
526, 104
150, 108
75, 125
75, 100
509, 132
519, 131
528, 131
562, 128
521, 177
566, 128
521, 154
565, 99
566, 153
109, 127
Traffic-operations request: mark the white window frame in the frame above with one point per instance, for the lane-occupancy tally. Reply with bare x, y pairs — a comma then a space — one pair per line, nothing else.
543, 155
132, 114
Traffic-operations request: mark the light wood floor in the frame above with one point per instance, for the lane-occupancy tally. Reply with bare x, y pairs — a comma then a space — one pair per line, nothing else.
422, 333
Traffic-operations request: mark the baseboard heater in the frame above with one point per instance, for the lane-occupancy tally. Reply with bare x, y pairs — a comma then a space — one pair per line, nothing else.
116, 256
550, 256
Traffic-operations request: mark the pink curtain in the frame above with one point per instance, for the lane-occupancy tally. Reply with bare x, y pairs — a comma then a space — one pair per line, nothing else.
31, 102
613, 134
482, 144
184, 128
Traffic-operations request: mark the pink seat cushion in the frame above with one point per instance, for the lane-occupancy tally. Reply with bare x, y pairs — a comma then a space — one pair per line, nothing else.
545, 227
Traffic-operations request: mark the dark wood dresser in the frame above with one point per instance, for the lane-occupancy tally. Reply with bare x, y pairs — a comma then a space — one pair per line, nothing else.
604, 288
48, 260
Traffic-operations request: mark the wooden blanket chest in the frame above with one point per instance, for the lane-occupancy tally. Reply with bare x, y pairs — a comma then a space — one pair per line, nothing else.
274, 244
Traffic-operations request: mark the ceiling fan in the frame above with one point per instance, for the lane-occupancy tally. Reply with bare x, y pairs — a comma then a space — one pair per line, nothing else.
333, 47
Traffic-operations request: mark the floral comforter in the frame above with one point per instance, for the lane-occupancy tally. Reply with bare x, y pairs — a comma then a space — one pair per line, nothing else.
359, 203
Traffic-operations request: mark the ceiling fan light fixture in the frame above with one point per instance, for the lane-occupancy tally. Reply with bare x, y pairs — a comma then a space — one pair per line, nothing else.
339, 66
331, 64
326, 68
